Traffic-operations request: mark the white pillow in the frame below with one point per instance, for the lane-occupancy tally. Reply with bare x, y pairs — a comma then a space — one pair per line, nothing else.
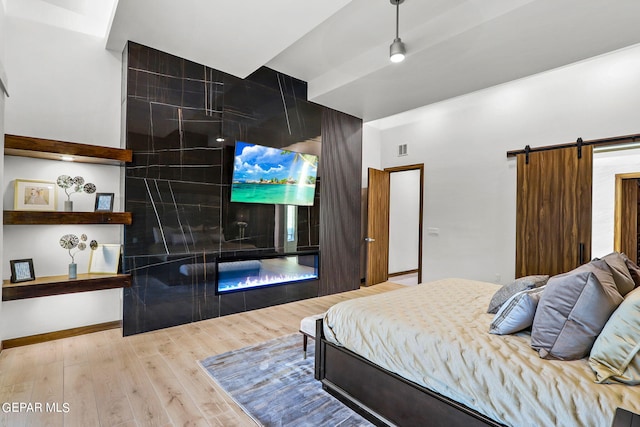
615, 356
517, 312
507, 291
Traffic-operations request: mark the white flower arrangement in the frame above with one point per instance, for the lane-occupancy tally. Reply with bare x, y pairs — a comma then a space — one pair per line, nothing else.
71, 241
77, 183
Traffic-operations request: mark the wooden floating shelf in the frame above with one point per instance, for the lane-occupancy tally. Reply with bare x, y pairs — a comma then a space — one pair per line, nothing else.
51, 218
26, 146
59, 285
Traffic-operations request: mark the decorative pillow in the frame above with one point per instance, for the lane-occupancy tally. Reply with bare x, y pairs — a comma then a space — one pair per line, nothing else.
157, 235
181, 237
634, 270
615, 356
217, 235
517, 313
620, 271
164, 233
194, 228
519, 285
572, 311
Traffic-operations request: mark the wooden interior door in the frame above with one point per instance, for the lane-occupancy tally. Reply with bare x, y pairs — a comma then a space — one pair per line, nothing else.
626, 215
377, 227
553, 211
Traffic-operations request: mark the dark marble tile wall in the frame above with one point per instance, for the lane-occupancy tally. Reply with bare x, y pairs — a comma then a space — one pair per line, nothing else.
182, 120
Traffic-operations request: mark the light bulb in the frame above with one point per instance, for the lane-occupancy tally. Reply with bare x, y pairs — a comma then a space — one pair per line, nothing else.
396, 51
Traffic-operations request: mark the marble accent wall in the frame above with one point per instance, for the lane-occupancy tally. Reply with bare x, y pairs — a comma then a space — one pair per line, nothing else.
181, 121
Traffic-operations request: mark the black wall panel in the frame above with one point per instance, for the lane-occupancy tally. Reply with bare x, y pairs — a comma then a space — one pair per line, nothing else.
178, 186
340, 218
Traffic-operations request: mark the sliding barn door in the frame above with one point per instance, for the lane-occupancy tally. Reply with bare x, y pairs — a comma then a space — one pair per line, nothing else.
553, 219
377, 227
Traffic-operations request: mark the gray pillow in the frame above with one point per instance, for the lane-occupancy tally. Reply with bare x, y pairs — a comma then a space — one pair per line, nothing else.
217, 235
519, 285
621, 275
634, 270
517, 313
572, 311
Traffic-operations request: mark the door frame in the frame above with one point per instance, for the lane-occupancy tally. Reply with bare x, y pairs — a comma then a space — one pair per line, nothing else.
420, 167
617, 210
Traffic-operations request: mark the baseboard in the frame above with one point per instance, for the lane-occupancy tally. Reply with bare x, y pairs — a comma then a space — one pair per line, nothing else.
402, 273
50, 336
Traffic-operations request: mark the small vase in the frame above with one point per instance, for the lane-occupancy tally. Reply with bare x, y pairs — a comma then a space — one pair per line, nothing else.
73, 270
68, 205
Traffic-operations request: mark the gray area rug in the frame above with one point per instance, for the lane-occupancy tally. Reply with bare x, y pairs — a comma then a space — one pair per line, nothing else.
274, 385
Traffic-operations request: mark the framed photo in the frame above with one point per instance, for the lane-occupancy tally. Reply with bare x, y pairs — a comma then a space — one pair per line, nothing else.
33, 195
104, 202
22, 270
105, 259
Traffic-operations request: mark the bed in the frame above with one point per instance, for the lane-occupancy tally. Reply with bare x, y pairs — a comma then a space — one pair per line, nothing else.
452, 371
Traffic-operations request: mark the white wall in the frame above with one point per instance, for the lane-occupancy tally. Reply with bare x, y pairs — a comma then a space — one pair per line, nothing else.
470, 183
371, 151
2, 33
64, 86
40, 242
606, 165
3, 83
404, 219
23, 318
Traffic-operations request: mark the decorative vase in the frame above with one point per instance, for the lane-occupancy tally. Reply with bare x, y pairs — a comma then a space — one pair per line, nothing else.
73, 270
68, 205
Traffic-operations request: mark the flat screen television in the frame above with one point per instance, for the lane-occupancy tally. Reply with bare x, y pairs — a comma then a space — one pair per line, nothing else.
273, 175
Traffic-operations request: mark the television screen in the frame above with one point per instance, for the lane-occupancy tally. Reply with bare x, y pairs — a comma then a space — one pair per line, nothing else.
273, 175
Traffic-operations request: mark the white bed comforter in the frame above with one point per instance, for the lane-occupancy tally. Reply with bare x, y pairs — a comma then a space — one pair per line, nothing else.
436, 334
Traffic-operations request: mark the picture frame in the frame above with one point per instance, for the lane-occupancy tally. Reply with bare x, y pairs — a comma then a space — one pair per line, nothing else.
22, 270
105, 259
34, 195
104, 202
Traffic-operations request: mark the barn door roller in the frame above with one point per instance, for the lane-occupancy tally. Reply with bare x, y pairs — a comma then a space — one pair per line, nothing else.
579, 143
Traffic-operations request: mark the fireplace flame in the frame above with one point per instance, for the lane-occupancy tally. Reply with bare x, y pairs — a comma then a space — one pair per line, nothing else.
258, 281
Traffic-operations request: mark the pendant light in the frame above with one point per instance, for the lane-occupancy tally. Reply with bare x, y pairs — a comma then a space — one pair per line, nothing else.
397, 49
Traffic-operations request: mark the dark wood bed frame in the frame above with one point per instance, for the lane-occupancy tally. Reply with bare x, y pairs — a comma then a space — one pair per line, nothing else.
385, 398
381, 396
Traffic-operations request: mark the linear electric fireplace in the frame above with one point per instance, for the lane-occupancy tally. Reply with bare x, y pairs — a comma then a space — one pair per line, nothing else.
243, 273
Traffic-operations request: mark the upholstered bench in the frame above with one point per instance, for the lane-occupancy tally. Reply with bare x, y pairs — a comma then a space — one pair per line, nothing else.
308, 330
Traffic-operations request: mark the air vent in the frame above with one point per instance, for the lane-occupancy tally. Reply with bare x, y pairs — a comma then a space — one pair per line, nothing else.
402, 150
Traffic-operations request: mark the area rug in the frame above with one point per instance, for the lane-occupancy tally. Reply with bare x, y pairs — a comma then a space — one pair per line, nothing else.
274, 385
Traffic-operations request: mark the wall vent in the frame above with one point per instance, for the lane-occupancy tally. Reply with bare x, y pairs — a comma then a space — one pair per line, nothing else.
402, 150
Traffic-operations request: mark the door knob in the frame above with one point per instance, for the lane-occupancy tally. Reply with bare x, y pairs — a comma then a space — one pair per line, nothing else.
369, 239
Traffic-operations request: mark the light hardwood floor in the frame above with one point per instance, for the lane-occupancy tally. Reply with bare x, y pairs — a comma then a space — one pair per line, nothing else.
150, 379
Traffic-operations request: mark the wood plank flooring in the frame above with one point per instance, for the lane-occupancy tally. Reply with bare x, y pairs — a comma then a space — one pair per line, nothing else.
149, 379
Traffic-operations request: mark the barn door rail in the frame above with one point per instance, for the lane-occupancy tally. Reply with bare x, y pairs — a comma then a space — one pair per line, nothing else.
579, 143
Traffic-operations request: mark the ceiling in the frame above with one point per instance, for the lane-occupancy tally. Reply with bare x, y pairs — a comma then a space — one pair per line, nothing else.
341, 47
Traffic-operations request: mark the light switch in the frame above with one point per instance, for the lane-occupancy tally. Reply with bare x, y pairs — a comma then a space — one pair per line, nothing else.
433, 231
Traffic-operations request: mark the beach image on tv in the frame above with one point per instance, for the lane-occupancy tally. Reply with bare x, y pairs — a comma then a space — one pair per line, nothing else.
272, 175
